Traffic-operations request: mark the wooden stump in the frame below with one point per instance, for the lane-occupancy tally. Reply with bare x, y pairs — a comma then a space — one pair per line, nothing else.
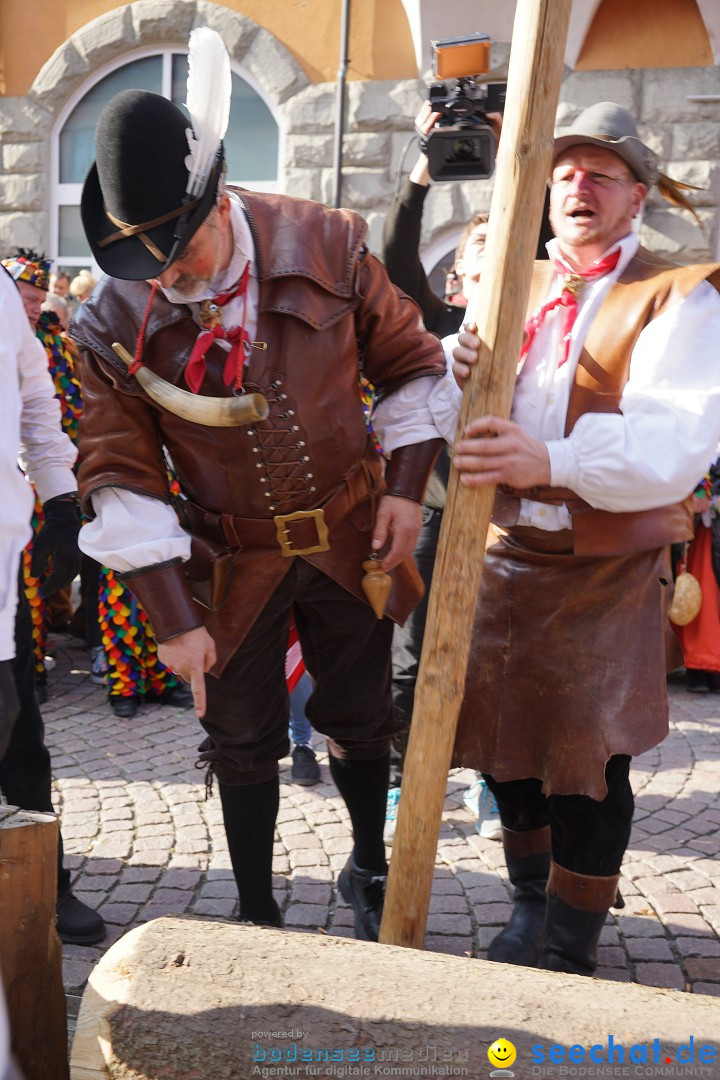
30, 950
182, 998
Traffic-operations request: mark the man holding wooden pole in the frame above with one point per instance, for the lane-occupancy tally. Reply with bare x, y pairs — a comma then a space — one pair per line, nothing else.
615, 414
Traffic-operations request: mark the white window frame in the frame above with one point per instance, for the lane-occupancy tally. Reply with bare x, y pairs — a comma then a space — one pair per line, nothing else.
69, 194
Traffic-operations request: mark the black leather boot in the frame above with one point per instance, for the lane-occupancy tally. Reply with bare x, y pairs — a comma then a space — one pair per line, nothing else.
527, 855
577, 906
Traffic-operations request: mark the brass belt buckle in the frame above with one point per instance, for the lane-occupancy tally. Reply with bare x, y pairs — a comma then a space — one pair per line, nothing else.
283, 520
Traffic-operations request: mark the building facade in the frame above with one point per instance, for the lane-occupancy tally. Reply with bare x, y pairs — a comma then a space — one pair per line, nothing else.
61, 62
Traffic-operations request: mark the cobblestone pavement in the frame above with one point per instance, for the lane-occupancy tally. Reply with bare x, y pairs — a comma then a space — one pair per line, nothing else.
142, 841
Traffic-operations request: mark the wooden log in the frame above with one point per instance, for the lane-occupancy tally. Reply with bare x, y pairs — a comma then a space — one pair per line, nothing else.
30, 950
182, 998
523, 165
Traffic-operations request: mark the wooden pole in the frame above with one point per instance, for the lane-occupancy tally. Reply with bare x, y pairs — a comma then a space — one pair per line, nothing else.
523, 165
30, 950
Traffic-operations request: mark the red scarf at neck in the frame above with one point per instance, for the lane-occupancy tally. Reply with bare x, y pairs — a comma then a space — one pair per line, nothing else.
572, 287
237, 336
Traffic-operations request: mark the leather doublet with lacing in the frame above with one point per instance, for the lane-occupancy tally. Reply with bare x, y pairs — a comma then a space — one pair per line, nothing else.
323, 302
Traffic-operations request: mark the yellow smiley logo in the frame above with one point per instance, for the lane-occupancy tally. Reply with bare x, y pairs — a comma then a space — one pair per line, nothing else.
502, 1053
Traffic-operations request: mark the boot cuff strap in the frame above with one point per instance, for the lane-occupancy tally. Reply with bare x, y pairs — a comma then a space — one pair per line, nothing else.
582, 891
530, 842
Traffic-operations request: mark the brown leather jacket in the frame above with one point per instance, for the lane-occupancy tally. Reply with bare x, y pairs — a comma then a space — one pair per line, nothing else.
646, 288
325, 305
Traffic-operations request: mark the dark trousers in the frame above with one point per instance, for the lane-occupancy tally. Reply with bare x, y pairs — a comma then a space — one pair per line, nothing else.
25, 778
408, 639
346, 650
588, 837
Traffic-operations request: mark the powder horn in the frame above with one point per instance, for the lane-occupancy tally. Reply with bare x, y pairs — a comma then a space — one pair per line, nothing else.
209, 411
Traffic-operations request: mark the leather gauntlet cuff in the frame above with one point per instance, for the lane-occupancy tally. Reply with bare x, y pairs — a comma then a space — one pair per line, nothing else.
163, 591
409, 469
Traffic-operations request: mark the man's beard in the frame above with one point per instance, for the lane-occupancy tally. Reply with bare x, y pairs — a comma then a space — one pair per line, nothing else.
188, 290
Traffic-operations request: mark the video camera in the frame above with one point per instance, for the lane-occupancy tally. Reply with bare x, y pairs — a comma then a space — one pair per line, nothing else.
461, 146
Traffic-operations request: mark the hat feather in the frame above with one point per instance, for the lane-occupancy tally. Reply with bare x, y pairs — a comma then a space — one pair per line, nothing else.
209, 88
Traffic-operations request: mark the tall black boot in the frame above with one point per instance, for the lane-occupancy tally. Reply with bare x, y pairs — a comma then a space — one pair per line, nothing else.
249, 813
527, 855
577, 906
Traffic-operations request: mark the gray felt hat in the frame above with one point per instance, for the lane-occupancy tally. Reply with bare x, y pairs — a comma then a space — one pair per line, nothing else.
610, 126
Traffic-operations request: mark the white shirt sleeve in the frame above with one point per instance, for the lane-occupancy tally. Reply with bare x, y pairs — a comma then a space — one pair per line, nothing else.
47, 453
15, 492
425, 408
131, 531
657, 449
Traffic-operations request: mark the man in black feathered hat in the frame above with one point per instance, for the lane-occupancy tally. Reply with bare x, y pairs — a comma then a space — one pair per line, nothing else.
233, 304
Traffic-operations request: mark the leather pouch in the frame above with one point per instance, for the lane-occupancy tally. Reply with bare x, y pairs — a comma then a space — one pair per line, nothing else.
209, 572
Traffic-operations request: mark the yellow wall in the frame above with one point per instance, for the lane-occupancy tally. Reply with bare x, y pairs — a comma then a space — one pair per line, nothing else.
646, 33
380, 42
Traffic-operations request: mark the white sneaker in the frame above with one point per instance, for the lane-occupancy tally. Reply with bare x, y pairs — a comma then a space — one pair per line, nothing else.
393, 798
98, 665
480, 801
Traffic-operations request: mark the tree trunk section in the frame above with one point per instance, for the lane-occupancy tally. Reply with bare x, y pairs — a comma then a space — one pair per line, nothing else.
182, 998
523, 166
30, 950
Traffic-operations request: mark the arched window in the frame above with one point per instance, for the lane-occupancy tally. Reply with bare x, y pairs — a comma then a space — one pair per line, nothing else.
251, 144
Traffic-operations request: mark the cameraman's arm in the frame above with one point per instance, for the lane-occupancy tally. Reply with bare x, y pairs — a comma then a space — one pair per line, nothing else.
401, 234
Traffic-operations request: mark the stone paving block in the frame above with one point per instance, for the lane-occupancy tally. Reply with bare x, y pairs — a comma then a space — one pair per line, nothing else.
705, 968
668, 903
309, 892
104, 866
149, 857
75, 974
120, 914
441, 923
706, 988
615, 974
698, 946
611, 956
448, 902
492, 914
446, 886
454, 946
145, 844
308, 840
180, 899
639, 926
687, 924
306, 915
136, 894
132, 874
668, 975
216, 890
687, 880
650, 949
222, 907
310, 857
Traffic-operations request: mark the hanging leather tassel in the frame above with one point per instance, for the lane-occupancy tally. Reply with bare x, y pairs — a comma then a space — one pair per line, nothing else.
376, 585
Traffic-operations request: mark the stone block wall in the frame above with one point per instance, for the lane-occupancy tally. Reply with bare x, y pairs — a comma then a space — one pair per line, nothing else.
378, 129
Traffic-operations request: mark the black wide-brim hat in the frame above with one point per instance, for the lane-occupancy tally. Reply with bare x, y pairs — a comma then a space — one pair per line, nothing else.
134, 210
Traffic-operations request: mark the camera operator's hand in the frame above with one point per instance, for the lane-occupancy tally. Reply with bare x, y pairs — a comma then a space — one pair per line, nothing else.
425, 121
495, 120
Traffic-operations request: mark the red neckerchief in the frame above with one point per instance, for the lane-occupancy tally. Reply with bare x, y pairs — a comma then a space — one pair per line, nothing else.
572, 287
237, 336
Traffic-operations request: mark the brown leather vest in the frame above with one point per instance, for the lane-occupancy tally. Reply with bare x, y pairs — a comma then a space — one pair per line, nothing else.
647, 287
325, 304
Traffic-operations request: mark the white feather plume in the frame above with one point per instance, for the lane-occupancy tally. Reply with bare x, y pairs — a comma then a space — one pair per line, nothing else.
209, 88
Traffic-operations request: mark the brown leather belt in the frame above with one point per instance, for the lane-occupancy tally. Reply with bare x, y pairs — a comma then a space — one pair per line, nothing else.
303, 532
